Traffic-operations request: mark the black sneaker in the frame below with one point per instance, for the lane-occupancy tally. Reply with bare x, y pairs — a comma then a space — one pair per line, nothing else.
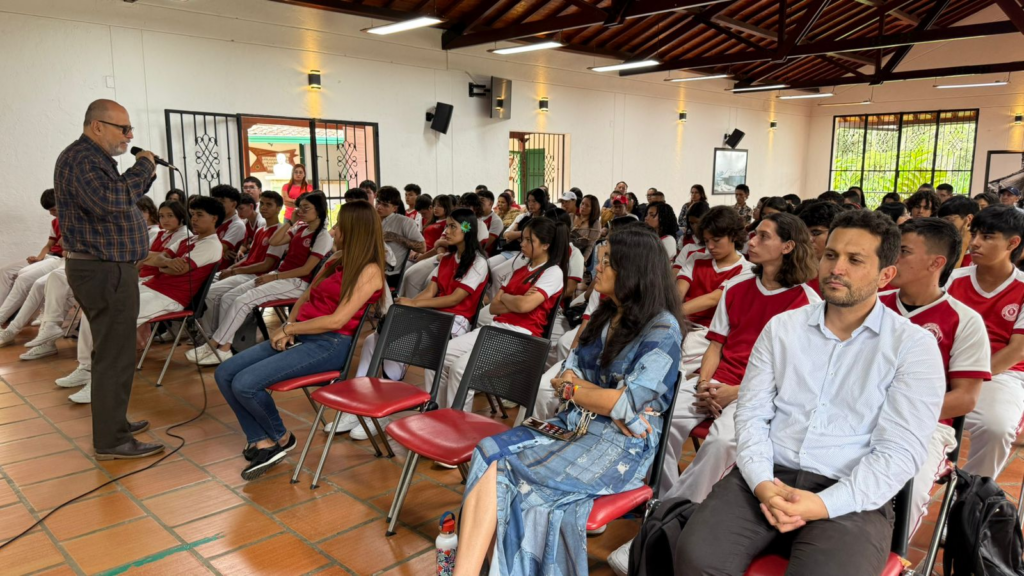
249, 452
290, 443
264, 460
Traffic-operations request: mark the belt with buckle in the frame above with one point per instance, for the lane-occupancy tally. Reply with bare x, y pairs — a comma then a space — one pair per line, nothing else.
82, 256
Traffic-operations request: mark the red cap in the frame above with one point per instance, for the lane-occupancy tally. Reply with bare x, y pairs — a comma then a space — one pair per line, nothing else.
449, 526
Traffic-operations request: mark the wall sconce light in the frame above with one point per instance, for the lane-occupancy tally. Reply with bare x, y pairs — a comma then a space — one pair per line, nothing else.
314, 79
682, 116
499, 104
1018, 118
543, 104
773, 125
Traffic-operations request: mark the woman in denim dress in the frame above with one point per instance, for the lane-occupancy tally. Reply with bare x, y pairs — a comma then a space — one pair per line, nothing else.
532, 494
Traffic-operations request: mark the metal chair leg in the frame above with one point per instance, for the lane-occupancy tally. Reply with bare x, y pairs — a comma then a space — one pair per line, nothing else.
152, 336
1020, 502
933, 547
260, 323
199, 328
309, 442
464, 471
327, 448
314, 405
74, 317
373, 440
159, 381
400, 494
490, 401
408, 469
383, 438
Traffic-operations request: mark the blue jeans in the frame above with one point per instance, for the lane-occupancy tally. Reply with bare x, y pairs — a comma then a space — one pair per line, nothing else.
244, 378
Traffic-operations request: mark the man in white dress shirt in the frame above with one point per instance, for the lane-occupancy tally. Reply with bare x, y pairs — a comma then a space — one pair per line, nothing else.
834, 416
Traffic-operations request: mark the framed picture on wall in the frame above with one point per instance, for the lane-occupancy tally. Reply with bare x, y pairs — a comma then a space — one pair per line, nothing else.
1004, 168
730, 170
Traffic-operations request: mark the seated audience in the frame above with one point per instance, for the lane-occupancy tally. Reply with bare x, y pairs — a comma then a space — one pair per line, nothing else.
252, 187
151, 216
944, 192
818, 217
691, 240
529, 494
620, 208
825, 439
536, 203
507, 209
742, 194
523, 304
252, 216
417, 275
832, 196
316, 338
586, 229
661, 218
861, 201
892, 197
923, 203
401, 234
370, 188
174, 225
986, 199
960, 212
308, 242
697, 194
57, 300
16, 278
232, 231
896, 211
852, 196
928, 253
568, 202
175, 195
994, 288
793, 200
491, 219
180, 277
703, 275
412, 193
425, 208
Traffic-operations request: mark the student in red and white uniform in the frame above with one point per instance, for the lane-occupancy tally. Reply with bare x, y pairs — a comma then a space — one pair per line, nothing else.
308, 243
929, 251
232, 231
703, 275
412, 193
173, 221
818, 217
491, 219
662, 219
251, 215
994, 288
960, 211
259, 259
522, 305
456, 287
691, 240
181, 276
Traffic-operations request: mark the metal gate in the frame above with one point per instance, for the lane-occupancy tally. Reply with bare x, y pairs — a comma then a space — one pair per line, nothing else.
536, 160
205, 147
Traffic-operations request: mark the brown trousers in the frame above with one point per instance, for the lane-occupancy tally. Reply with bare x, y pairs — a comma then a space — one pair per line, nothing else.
728, 531
108, 293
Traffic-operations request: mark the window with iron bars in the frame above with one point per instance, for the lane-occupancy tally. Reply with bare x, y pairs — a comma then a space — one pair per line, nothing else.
535, 160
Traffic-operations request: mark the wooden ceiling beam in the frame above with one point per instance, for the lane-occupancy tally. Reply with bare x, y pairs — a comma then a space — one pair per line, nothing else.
1014, 12
803, 27
897, 57
894, 10
745, 27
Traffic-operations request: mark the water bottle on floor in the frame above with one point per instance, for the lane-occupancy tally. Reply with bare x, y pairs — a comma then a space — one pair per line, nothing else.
446, 544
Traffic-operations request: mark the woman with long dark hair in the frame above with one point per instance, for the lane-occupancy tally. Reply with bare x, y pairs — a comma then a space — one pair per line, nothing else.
586, 226
531, 495
323, 320
661, 218
696, 195
417, 274
506, 208
308, 242
173, 223
502, 263
633, 206
522, 304
297, 186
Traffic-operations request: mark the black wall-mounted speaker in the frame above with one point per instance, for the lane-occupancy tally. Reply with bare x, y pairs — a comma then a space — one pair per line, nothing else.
441, 119
733, 140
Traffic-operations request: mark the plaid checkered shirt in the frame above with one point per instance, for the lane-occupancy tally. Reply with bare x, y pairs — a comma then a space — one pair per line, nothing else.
96, 205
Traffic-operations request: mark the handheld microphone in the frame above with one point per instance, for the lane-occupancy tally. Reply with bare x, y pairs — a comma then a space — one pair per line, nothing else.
135, 150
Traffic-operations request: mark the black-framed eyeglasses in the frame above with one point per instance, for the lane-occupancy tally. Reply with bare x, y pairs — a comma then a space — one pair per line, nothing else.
125, 128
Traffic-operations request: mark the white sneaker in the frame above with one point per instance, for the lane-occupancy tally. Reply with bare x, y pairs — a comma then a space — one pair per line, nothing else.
619, 559
347, 423
80, 377
83, 396
6, 337
198, 353
37, 322
212, 359
359, 434
50, 332
41, 351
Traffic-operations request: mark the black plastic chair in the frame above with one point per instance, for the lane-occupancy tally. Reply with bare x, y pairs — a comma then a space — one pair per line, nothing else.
504, 363
395, 280
188, 316
415, 336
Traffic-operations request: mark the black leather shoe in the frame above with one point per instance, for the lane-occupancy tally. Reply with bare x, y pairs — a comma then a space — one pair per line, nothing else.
138, 427
130, 449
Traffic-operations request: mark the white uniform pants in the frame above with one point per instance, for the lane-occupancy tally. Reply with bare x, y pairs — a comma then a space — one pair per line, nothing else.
455, 360
151, 305
994, 422
716, 457
695, 344
34, 301
684, 419
16, 281
417, 277
935, 464
237, 304
216, 293
501, 271
58, 297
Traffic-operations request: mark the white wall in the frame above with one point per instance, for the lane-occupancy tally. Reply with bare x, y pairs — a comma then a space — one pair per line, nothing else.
996, 105
252, 56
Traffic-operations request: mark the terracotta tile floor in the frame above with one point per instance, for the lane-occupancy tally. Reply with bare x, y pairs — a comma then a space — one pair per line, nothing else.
193, 514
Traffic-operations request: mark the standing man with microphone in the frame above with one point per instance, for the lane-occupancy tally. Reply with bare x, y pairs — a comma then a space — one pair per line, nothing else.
104, 236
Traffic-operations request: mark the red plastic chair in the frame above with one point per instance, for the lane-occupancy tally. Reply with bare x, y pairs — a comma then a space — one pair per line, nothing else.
700, 432
187, 316
504, 363
415, 336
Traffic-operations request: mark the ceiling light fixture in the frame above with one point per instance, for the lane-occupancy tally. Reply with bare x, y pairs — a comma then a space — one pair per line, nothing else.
526, 48
806, 96
978, 85
861, 103
624, 66
403, 26
760, 88
695, 78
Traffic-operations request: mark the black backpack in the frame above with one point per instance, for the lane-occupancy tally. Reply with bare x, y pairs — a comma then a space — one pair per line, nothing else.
983, 537
652, 550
